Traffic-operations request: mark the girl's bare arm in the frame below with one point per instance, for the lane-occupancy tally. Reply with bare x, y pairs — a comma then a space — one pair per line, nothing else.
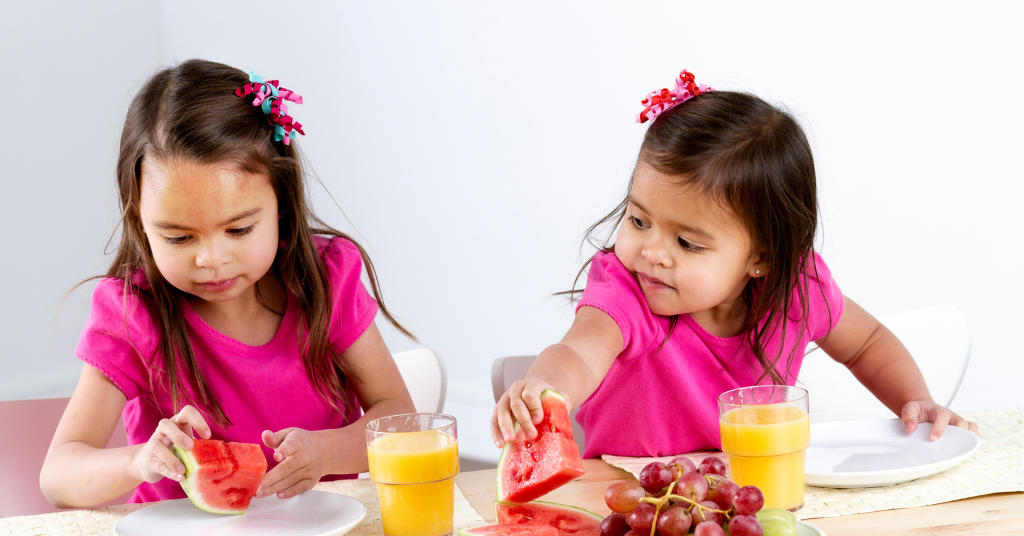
381, 391
79, 471
882, 364
574, 367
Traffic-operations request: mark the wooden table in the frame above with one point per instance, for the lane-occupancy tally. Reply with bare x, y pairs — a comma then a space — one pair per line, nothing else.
1002, 513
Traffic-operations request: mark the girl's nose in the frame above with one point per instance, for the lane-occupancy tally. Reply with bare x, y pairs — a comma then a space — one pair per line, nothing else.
655, 253
212, 255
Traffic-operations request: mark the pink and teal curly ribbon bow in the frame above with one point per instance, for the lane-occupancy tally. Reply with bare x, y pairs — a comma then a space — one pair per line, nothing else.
271, 97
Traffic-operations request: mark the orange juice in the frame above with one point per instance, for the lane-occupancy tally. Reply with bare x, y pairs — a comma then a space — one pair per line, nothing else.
415, 476
766, 446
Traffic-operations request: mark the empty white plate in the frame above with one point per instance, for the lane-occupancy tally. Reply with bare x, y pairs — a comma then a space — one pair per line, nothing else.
313, 513
862, 454
806, 529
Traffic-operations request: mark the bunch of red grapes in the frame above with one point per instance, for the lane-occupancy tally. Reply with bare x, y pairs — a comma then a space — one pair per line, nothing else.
677, 498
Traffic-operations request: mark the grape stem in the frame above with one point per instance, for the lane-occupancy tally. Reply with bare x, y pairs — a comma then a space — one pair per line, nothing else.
658, 502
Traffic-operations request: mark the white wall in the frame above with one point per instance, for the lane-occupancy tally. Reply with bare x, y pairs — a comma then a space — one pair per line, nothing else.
470, 144
69, 70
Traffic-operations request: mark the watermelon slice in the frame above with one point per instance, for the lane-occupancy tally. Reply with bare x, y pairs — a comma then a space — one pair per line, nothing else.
510, 530
568, 520
220, 477
528, 469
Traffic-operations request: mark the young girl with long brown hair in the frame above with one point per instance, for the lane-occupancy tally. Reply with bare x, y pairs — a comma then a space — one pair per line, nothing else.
711, 284
230, 311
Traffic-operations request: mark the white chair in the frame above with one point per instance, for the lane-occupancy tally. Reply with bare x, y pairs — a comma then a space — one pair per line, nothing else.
507, 370
29, 426
426, 378
938, 338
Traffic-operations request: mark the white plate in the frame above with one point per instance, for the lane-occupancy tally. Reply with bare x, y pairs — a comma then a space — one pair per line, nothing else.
806, 529
863, 454
313, 513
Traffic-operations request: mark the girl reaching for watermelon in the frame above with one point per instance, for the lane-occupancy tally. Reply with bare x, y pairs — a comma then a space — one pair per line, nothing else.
711, 284
230, 311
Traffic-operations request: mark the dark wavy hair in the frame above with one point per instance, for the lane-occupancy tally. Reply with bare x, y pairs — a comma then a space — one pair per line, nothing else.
190, 112
754, 158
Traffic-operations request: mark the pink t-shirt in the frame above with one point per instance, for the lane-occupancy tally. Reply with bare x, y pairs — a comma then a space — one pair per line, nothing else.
258, 387
662, 403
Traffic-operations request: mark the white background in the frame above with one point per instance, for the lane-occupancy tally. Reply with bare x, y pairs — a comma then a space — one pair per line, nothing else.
470, 144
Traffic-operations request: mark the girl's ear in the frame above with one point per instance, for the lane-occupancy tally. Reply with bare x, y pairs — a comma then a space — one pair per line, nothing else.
758, 265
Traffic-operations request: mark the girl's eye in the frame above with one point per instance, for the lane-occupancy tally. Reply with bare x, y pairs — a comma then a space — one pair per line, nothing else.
638, 223
693, 248
238, 233
176, 240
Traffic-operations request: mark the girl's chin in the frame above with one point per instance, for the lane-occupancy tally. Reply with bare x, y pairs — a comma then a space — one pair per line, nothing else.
660, 308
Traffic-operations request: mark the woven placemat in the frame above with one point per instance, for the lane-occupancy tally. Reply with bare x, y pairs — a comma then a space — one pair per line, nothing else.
997, 467
100, 521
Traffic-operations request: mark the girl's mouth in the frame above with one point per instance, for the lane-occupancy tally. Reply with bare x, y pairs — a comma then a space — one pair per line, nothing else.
652, 282
219, 286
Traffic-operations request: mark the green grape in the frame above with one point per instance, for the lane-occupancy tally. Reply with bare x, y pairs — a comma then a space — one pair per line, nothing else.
773, 526
786, 515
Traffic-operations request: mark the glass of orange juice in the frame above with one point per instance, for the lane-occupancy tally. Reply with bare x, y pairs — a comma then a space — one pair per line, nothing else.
765, 433
413, 461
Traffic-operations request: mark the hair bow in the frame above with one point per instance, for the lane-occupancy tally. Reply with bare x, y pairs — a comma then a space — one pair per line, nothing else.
659, 102
271, 97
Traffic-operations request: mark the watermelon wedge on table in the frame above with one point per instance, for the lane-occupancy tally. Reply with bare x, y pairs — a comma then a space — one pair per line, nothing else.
568, 520
510, 530
220, 477
528, 469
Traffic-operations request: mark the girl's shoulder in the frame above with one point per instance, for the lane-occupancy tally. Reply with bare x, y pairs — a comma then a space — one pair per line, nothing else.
121, 336
608, 274
353, 308
823, 295
341, 256
615, 291
818, 270
120, 305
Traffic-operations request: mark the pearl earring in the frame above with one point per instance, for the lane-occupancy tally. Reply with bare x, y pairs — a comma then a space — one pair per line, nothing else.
757, 272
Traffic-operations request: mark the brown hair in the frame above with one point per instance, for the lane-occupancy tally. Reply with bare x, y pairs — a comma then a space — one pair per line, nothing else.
190, 112
755, 158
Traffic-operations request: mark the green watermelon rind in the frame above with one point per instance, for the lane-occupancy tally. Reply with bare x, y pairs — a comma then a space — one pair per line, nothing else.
556, 506
508, 445
188, 484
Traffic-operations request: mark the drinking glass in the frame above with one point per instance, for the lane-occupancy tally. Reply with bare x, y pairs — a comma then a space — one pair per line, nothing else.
765, 433
413, 462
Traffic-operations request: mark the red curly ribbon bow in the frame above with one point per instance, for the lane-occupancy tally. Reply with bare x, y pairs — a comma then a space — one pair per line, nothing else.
663, 100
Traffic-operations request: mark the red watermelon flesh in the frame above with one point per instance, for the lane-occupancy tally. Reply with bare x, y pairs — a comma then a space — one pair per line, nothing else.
528, 469
220, 477
510, 530
568, 520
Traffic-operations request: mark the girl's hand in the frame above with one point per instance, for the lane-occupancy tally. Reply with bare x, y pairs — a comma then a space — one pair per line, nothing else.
917, 411
520, 403
300, 457
155, 460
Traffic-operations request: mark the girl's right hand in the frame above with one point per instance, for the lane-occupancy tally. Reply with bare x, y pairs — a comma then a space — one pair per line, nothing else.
155, 460
520, 403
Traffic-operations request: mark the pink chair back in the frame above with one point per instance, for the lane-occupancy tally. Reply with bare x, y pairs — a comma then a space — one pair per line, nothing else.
29, 426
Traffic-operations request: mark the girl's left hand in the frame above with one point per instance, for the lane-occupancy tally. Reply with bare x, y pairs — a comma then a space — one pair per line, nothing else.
917, 411
300, 463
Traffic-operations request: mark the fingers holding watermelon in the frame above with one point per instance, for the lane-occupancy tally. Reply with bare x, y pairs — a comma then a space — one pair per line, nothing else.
300, 466
522, 404
155, 460
191, 423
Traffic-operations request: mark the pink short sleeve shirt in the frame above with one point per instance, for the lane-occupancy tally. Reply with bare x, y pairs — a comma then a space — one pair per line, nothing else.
259, 387
663, 402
